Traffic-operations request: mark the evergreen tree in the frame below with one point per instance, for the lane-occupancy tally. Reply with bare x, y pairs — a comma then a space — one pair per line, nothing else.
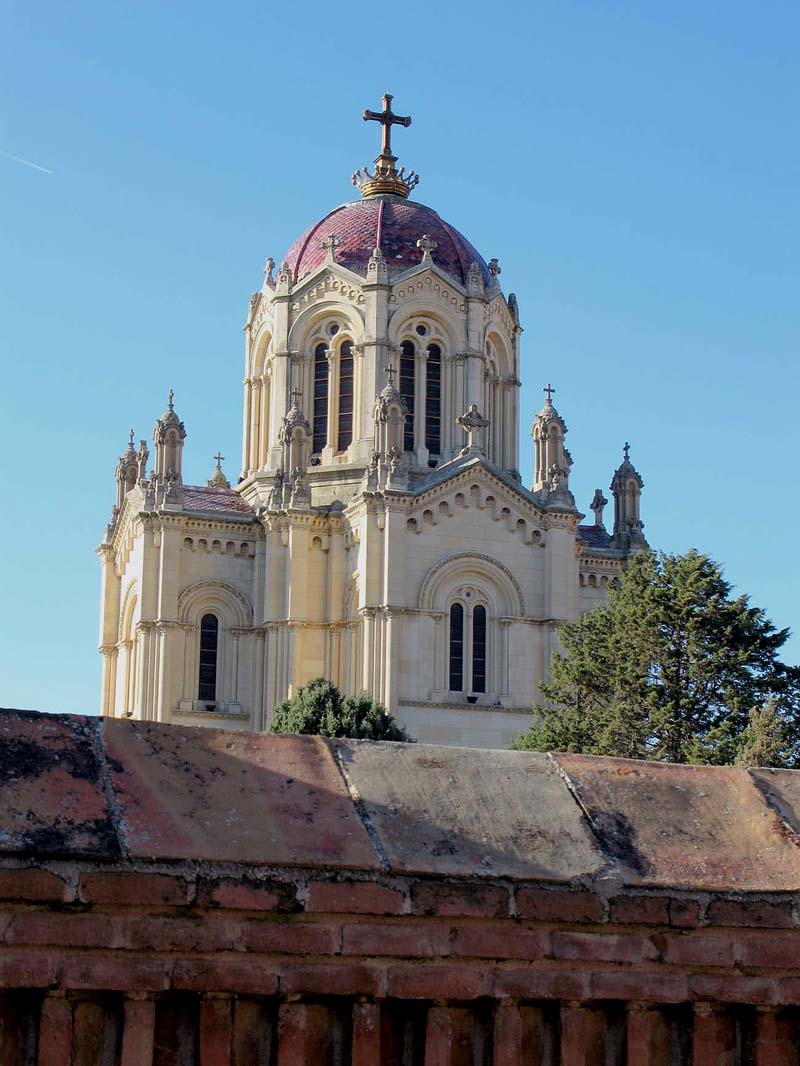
671, 669
320, 709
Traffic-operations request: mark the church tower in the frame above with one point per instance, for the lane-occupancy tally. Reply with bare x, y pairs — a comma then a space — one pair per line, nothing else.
380, 534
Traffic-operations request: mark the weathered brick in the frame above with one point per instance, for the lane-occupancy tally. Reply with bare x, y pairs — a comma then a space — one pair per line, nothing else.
733, 988
633, 984
776, 1039
26, 970
304, 1032
292, 938
553, 905
519, 1034
397, 939
698, 948
752, 913
499, 941
602, 947
32, 884
226, 973
345, 979
639, 910
684, 913
200, 933
542, 981
353, 897
134, 889
255, 1033
460, 900
55, 1032
119, 973
439, 981
138, 1032
713, 1037
648, 1040
216, 1031
366, 1035
781, 950
63, 929
247, 895
449, 1036
583, 1036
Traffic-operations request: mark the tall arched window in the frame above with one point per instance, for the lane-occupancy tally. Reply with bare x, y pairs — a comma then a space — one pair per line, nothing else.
456, 648
407, 387
345, 435
433, 401
320, 399
207, 674
479, 649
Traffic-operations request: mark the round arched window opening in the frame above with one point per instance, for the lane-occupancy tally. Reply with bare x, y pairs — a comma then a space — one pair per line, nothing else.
207, 673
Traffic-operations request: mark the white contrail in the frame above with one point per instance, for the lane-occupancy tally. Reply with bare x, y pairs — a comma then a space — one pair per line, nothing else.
27, 163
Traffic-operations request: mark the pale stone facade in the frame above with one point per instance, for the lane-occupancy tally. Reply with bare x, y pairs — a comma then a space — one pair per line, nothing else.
379, 535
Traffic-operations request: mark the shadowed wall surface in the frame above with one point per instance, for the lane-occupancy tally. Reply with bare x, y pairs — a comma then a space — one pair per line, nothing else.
189, 897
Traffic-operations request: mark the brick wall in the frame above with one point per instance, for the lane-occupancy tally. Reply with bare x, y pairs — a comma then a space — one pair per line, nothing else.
132, 935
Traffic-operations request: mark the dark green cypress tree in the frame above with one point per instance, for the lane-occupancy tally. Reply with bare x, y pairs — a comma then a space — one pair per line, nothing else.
671, 669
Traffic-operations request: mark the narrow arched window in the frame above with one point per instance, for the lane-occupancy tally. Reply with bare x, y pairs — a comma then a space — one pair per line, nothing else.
207, 680
407, 386
320, 399
345, 436
456, 648
433, 401
479, 649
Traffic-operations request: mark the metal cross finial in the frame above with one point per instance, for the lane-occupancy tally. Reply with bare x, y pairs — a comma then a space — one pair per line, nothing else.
296, 396
626, 451
220, 459
171, 397
549, 390
390, 372
387, 119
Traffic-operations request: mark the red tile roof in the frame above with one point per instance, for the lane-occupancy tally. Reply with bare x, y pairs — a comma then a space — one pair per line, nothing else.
394, 226
202, 498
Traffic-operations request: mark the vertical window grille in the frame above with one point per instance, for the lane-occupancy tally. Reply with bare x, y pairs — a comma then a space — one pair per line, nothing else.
479, 649
456, 648
209, 634
345, 396
433, 401
408, 383
320, 399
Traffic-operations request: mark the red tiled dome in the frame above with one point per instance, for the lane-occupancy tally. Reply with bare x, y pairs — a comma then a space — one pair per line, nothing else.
392, 224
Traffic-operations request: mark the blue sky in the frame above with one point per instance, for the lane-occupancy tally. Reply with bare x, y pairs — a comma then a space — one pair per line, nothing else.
634, 167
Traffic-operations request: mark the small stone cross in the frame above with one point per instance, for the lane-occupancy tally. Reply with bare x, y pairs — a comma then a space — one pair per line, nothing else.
473, 423
494, 268
549, 390
130, 441
626, 451
387, 119
390, 372
219, 459
296, 397
597, 505
427, 246
171, 397
330, 244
